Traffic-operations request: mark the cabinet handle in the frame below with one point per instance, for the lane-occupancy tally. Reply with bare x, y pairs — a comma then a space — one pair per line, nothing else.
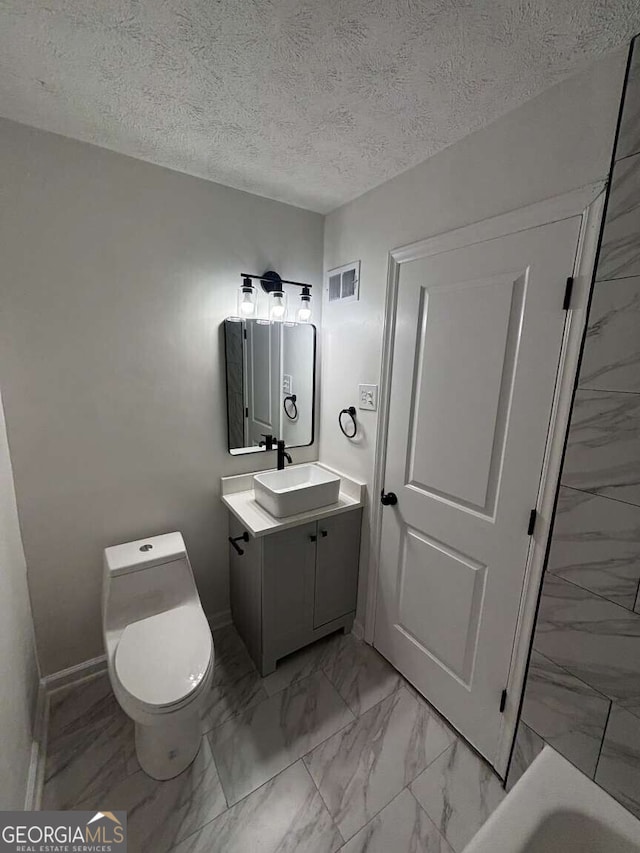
313, 538
324, 534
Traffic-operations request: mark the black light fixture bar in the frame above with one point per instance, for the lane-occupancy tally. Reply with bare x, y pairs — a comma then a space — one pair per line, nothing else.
268, 280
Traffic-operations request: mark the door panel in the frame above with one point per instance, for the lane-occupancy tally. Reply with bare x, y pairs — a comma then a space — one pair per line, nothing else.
453, 587
475, 357
455, 418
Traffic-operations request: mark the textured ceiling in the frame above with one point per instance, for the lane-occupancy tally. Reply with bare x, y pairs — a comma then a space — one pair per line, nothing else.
307, 101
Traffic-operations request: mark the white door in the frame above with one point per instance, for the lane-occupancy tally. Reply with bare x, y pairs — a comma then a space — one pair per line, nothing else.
263, 380
475, 359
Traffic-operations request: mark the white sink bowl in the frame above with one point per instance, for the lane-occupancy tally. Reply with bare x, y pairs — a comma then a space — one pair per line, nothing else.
296, 490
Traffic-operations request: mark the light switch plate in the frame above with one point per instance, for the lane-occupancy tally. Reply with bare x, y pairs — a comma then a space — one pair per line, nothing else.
287, 383
368, 397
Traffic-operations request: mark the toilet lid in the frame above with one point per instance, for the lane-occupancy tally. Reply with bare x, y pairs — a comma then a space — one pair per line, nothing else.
161, 659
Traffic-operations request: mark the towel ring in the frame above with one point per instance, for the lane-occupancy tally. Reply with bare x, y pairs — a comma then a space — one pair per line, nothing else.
290, 399
351, 411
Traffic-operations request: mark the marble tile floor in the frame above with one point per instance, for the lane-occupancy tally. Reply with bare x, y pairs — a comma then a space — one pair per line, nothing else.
333, 751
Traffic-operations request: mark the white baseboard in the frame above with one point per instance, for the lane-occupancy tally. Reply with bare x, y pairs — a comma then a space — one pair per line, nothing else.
358, 630
74, 673
35, 774
220, 619
99, 664
48, 685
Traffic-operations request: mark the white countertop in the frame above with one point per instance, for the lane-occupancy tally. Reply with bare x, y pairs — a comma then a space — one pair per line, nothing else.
237, 495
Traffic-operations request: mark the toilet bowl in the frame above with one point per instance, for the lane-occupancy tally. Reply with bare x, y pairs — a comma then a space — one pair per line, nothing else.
159, 649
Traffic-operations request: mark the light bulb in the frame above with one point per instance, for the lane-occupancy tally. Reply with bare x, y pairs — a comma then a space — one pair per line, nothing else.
278, 305
247, 305
303, 314
247, 299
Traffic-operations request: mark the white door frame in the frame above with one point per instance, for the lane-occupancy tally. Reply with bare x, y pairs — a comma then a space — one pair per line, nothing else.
588, 202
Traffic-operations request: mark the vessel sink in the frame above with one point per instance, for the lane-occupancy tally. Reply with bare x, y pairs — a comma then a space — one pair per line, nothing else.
296, 490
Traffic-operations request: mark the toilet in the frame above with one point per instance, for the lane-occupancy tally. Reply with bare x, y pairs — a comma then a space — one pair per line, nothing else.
159, 649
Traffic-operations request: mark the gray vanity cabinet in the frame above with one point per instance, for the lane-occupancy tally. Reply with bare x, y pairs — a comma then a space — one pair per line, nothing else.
288, 569
337, 552
293, 587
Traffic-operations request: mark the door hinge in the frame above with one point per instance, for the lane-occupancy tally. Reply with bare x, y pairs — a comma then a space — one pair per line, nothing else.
246, 413
532, 522
503, 701
244, 334
568, 292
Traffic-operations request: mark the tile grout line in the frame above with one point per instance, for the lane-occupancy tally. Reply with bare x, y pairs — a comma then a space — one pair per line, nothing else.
320, 670
555, 574
324, 802
619, 277
228, 809
407, 787
430, 819
301, 757
608, 390
595, 594
400, 685
262, 679
573, 675
599, 494
604, 734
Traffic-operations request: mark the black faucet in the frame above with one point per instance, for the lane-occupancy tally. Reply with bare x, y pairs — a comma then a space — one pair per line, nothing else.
268, 441
282, 455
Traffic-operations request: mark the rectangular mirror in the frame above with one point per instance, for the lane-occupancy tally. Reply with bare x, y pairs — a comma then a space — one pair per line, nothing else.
271, 378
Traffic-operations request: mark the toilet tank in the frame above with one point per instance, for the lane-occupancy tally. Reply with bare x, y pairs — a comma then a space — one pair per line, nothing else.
143, 578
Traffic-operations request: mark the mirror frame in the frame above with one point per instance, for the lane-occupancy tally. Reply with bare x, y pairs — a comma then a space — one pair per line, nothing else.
244, 451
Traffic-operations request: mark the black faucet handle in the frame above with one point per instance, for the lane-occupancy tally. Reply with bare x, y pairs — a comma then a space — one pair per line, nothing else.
282, 454
268, 441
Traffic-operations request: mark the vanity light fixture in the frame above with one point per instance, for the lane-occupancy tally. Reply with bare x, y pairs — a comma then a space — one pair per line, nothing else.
247, 299
304, 310
273, 285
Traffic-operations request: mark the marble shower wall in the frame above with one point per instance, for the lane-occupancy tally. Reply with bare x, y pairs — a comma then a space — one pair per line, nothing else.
582, 693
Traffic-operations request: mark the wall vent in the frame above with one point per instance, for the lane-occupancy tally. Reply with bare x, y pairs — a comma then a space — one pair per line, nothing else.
343, 283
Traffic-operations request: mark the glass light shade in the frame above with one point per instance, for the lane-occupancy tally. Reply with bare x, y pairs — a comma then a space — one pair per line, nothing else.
304, 313
277, 305
247, 302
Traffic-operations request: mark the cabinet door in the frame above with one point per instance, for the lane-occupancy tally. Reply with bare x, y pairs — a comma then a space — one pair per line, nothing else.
338, 553
287, 590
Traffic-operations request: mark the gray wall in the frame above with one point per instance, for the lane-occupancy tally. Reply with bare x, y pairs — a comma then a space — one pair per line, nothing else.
18, 670
555, 143
583, 687
116, 275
